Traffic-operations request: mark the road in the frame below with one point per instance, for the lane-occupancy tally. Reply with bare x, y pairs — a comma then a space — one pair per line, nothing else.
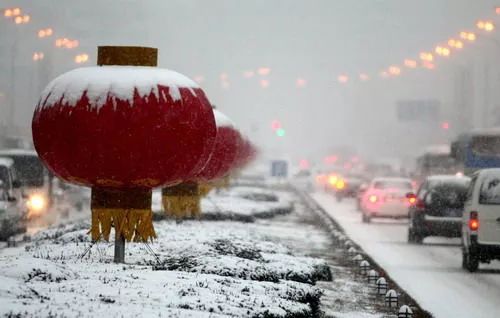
430, 273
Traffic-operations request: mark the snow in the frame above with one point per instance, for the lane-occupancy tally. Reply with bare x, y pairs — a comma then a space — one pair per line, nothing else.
430, 273
490, 189
222, 120
6, 162
215, 269
18, 152
459, 180
437, 150
237, 203
495, 131
119, 82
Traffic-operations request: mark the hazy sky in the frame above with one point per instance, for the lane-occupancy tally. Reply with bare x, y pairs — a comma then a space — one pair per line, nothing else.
312, 40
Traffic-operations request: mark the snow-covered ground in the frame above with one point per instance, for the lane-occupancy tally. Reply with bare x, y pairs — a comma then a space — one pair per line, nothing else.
431, 273
242, 203
204, 269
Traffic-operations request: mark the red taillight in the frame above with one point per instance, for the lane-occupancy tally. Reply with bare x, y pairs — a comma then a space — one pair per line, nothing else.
412, 199
473, 221
373, 198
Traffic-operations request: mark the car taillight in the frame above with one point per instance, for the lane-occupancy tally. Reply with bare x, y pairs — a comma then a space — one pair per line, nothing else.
373, 198
473, 221
412, 199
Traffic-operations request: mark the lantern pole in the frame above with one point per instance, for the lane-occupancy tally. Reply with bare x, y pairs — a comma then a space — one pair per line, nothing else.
132, 56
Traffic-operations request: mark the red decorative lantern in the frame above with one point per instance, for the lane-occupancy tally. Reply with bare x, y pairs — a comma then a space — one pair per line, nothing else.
246, 154
123, 130
225, 153
183, 200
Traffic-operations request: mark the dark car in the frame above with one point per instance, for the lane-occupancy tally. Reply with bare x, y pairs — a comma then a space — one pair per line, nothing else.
348, 187
438, 207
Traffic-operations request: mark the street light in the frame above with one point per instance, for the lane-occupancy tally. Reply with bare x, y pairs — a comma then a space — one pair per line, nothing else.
81, 58
11, 12
263, 71
343, 79
410, 63
487, 26
456, 44
22, 19
37, 56
394, 70
364, 77
42, 33
426, 56
469, 36
442, 51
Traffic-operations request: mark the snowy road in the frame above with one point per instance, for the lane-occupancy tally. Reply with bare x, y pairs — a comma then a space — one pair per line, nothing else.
430, 273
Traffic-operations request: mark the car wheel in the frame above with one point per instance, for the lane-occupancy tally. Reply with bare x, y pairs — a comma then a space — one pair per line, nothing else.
411, 236
470, 262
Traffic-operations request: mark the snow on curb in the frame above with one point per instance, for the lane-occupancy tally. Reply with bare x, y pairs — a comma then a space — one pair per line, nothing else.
340, 238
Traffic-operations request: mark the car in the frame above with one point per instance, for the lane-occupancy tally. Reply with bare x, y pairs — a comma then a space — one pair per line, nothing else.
348, 186
386, 198
437, 207
12, 213
303, 180
481, 220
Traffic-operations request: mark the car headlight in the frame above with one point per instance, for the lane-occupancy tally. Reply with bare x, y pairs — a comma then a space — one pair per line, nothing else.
36, 202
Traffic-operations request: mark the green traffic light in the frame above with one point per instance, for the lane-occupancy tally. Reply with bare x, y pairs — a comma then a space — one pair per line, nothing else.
280, 132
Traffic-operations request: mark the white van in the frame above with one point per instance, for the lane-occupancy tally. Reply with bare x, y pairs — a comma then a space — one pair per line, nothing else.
481, 220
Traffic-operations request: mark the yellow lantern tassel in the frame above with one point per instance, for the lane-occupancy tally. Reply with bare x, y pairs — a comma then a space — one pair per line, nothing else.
182, 201
128, 211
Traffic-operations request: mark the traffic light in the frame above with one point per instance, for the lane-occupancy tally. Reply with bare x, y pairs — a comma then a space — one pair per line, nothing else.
280, 132
275, 124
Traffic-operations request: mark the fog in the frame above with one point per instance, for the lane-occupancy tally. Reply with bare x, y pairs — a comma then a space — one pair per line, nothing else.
305, 45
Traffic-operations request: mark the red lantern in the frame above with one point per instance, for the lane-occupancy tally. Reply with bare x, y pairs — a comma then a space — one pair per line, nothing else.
246, 154
123, 127
183, 200
123, 130
225, 153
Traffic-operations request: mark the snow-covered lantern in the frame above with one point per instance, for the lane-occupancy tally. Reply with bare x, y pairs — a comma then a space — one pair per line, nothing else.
391, 298
372, 277
352, 251
364, 266
357, 259
184, 200
123, 128
405, 312
381, 286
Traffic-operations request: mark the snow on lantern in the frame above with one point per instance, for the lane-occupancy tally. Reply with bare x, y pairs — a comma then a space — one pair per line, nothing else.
123, 128
184, 200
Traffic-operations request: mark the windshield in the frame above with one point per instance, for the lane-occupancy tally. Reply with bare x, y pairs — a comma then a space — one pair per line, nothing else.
30, 171
5, 180
486, 145
449, 194
489, 193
